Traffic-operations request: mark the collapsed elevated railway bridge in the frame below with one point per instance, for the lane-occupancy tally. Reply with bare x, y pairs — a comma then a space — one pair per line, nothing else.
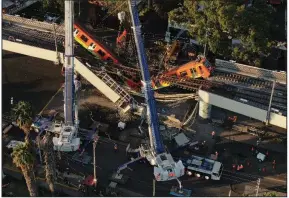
239, 88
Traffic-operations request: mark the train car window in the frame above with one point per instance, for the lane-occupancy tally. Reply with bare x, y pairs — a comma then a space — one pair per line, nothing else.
183, 73
193, 71
92, 45
76, 31
101, 53
84, 38
201, 69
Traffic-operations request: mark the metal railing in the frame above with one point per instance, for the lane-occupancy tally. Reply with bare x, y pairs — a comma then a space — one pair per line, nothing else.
34, 23
257, 72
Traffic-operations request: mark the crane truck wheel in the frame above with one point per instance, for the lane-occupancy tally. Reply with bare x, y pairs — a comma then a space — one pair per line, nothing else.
189, 173
207, 177
198, 175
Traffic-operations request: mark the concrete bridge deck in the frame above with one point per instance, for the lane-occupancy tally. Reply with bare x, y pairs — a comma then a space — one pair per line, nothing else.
50, 55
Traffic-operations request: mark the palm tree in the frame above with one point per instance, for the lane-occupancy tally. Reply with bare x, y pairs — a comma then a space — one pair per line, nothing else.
23, 114
24, 158
50, 166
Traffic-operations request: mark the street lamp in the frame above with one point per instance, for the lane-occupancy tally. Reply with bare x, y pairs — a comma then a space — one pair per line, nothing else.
78, 7
205, 48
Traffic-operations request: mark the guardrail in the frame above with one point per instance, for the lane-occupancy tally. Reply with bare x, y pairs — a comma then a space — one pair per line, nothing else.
34, 23
257, 72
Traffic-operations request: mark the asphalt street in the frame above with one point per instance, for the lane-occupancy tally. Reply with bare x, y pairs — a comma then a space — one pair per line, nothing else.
141, 174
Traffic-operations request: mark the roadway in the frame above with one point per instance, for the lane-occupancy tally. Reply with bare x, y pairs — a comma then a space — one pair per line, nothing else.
141, 175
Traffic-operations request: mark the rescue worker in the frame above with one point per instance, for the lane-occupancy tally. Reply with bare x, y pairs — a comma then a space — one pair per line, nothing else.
274, 164
241, 167
234, 167
115, 147
213, 134
252, 150
248, 163
258, 142
238, 168
264, 169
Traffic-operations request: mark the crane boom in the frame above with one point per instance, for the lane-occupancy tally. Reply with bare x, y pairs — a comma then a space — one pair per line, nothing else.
69, 65
156, 141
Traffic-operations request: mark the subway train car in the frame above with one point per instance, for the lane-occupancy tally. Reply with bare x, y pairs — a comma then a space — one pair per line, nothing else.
200, 68
92, 45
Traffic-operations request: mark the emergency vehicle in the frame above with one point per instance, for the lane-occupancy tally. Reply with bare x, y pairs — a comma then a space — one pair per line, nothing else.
199, 166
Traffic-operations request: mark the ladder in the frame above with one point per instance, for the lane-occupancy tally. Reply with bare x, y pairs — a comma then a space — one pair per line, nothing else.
125, 98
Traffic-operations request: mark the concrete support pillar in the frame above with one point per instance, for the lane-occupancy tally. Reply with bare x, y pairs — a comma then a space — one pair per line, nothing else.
204, 110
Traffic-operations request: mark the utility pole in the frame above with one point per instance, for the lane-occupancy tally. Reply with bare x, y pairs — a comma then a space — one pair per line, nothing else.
270, 103
94, 161
55, 42
205, 48
78, 7
257, 187
154, 187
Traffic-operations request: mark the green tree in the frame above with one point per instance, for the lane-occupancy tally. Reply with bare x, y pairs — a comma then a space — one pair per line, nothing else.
215, 23
23, 114
54, 5
24, 157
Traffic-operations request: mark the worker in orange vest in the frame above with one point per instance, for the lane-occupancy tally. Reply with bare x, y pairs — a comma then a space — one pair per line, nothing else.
213, 134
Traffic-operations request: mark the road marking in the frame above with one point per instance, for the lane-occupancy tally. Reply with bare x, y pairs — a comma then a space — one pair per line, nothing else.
40, 113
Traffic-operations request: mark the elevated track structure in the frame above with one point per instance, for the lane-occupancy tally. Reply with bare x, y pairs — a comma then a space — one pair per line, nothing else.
237, 86
103, 82
221, 65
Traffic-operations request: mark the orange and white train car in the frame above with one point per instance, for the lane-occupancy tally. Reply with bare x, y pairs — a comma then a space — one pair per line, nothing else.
92, 45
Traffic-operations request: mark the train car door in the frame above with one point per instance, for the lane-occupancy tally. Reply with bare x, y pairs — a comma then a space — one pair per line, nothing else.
193, 72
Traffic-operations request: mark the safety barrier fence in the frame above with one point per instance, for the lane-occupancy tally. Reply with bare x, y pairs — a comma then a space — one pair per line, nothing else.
257, 72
